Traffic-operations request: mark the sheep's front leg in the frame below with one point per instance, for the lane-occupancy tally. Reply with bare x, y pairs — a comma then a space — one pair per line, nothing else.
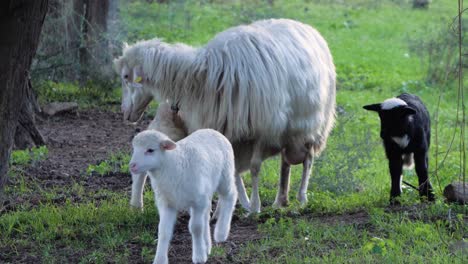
282, 196
395, 163
167, 219
306, 171
421, 164
198, 226
138, 184
255, 165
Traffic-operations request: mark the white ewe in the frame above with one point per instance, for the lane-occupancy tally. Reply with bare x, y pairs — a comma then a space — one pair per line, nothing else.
270, 84
167, 122
184, 176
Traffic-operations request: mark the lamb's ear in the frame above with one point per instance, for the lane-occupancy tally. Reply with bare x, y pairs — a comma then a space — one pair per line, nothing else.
408, 110
373, 107
168, 145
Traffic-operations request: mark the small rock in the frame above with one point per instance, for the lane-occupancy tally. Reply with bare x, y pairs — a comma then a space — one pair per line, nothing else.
55, 108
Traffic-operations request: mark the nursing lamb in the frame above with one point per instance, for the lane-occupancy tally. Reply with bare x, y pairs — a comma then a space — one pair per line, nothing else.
166, 121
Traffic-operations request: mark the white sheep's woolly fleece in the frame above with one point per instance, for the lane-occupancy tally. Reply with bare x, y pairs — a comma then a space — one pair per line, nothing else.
272, 80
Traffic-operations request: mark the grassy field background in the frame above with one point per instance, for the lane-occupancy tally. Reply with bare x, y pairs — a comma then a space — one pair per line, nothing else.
381, 49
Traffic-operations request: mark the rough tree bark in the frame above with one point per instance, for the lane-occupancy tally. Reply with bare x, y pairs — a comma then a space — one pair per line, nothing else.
20, 26
27, 135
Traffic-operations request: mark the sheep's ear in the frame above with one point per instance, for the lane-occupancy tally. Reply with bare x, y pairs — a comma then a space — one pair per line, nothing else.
408, 110
168, 145
373, 107
117, 65
125, 46
137, 75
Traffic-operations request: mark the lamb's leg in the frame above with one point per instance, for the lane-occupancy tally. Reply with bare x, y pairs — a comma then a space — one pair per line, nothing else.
207, 237
421, 164
197, 227
227, 202
167, 219
306, 171
395, 163
282, 196
138, 184
243, 198
255, 165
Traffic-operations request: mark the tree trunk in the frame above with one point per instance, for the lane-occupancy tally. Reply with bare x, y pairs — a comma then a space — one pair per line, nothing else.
27, 135
94, 54
20, 26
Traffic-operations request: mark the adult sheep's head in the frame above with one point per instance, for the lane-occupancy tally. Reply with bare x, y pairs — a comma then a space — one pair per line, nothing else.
394, 116
136, 94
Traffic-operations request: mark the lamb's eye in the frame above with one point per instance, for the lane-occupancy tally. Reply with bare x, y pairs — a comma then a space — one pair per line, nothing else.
150, 151
126, 76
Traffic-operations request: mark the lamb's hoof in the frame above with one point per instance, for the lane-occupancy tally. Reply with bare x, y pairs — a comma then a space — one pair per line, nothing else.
202, 258
136, 207
160, 260
254, 209
394, 202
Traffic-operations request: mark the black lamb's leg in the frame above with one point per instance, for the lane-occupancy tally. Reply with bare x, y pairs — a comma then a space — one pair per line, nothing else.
421, 163
395, 163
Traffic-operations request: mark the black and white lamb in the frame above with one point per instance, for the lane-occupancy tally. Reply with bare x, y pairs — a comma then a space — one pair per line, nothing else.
406, 133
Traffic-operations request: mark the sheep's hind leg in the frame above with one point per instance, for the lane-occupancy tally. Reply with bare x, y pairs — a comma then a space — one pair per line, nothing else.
282, 197
207, 237
306, 171
138, 184
425, 187
255, 165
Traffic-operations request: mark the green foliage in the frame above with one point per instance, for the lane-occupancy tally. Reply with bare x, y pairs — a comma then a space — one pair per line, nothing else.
28, 156
90, 95
117, 163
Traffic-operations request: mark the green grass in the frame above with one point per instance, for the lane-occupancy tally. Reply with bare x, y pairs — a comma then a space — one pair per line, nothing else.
373, 45
116, 163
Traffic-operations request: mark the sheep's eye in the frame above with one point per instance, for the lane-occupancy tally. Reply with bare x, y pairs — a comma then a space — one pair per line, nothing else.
150, 151
126, 76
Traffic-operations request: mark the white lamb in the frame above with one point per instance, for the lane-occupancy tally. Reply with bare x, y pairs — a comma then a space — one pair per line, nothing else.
184, 176
166, 121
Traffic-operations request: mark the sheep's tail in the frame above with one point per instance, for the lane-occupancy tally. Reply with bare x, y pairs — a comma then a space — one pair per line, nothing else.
408, 161
224, 211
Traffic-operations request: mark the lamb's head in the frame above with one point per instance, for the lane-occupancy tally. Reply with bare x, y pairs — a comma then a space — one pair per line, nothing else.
150, 148
136, 90
394, 116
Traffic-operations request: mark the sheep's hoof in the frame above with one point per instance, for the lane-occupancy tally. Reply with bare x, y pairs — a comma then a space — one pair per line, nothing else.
254, 209
199, 258
302, 198
280, 202
136, 207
